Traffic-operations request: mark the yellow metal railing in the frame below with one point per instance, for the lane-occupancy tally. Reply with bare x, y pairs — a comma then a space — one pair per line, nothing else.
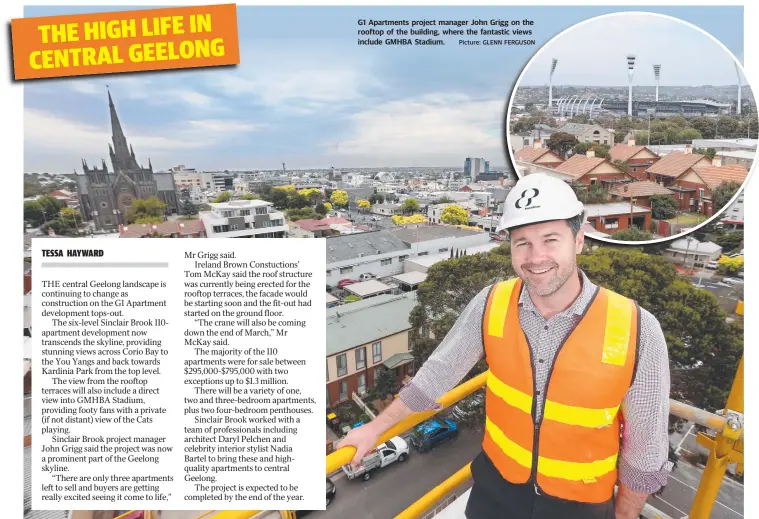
725, 447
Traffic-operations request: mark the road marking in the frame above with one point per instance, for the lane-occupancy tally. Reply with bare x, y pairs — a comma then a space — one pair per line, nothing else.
677, 450
696, 490
670, 504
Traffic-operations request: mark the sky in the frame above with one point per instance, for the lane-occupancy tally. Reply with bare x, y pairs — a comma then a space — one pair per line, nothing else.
687, 56
306, 94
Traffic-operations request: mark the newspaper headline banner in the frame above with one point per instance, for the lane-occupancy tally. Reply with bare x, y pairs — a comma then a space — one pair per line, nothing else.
125, 41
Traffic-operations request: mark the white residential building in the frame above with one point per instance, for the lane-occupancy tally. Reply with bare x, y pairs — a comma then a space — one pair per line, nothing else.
692, 253
244, 219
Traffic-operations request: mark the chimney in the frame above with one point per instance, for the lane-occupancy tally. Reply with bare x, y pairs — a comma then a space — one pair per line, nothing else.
631, 141
688, 148
717, 161
591, 154
536, 144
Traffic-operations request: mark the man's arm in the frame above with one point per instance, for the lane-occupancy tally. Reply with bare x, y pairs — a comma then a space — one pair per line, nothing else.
453, 358
644, 457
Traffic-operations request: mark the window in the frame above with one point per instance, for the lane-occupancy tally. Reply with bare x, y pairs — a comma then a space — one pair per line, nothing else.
387, 261
346, 270
244, 212
423, 253
327, 369
329, 273
261, 210
377, 352
360, 358
612, 223
362, 383
443, 250
701, 193
226, 214
593, 181
233, 227
401, 259
342, 365
343, 390
327, 397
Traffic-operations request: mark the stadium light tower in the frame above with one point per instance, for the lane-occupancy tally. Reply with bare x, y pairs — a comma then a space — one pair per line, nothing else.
657, 73
630, 67
738, 72
550, 85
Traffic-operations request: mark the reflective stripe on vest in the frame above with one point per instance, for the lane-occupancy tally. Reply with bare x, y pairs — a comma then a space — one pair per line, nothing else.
578, 440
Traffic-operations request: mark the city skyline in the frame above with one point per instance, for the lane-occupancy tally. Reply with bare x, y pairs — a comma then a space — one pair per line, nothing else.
314, 100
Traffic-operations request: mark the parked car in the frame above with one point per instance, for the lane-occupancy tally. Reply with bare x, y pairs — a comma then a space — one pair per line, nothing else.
331, 490
345, 282
366, 276
432, 433
469, 406
712, 265
395, 449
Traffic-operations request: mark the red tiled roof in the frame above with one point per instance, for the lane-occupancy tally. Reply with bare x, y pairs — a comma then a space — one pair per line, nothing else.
579, 165
643, 188
312, 225
529, 154
624, 152
714, 176
674, 164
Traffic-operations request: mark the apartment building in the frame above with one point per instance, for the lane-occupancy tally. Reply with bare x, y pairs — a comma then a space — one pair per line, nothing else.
363, 337
244, 219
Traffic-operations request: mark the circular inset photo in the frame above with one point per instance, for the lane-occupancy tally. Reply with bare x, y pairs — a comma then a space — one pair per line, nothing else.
648, 118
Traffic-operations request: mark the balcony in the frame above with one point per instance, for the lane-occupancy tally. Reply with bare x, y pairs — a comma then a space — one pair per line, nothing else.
725, 446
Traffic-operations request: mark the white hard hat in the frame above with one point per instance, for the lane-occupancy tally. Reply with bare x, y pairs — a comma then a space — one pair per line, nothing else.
537, 198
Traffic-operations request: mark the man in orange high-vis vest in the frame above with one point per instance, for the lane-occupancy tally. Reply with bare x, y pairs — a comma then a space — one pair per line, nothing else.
577, 395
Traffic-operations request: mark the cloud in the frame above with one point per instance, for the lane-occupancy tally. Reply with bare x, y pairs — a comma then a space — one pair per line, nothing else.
434, 129
225, 125
151, 91
302, 80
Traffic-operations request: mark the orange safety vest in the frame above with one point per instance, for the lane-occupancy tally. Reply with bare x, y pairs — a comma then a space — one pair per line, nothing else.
571, 453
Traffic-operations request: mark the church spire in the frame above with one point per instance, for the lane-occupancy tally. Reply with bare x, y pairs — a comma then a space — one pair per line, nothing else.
120, 147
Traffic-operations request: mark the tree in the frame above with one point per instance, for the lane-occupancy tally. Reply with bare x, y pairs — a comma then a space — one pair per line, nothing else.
33, 213
151, 209
728, 127
633, 234
321, 210
624, 166
249, 196
445, 200
364, 204
594, 194
279, 198
704, 125
305, 213
688, 135
188, 208
707, 152
297, 201
663, 207
50, 206
313, 194
377, 198
730, 241
731, 266
339, 198
455, 215
184, 193
723, 193
224, 196
407, 220
385, 382
560, 143
410, 206
328, 206
601, 150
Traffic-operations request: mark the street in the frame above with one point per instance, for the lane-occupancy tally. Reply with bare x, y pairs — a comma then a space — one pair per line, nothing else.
392, 489
728, 296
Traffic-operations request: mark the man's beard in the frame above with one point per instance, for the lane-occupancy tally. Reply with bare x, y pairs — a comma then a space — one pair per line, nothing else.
554, 283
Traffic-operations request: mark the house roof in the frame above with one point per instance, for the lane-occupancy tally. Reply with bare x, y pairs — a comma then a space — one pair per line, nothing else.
713, 176
396, 360
576, 128
367, 288
312, 225
529, 154
361, 322
674, 164
420, 233
182, 227
683, 245
624, 152
612, 209
352, 246
579, 165
637, 189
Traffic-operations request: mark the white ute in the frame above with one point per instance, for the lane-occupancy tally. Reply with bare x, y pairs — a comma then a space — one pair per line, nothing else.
395, 449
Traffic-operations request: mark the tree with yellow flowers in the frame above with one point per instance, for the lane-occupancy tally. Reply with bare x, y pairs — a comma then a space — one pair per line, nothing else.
408, 220
454, 215
731, 266
328, 206
364, 204
339, 198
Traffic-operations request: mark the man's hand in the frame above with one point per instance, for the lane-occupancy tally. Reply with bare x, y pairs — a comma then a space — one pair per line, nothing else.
629, 504
363, 439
